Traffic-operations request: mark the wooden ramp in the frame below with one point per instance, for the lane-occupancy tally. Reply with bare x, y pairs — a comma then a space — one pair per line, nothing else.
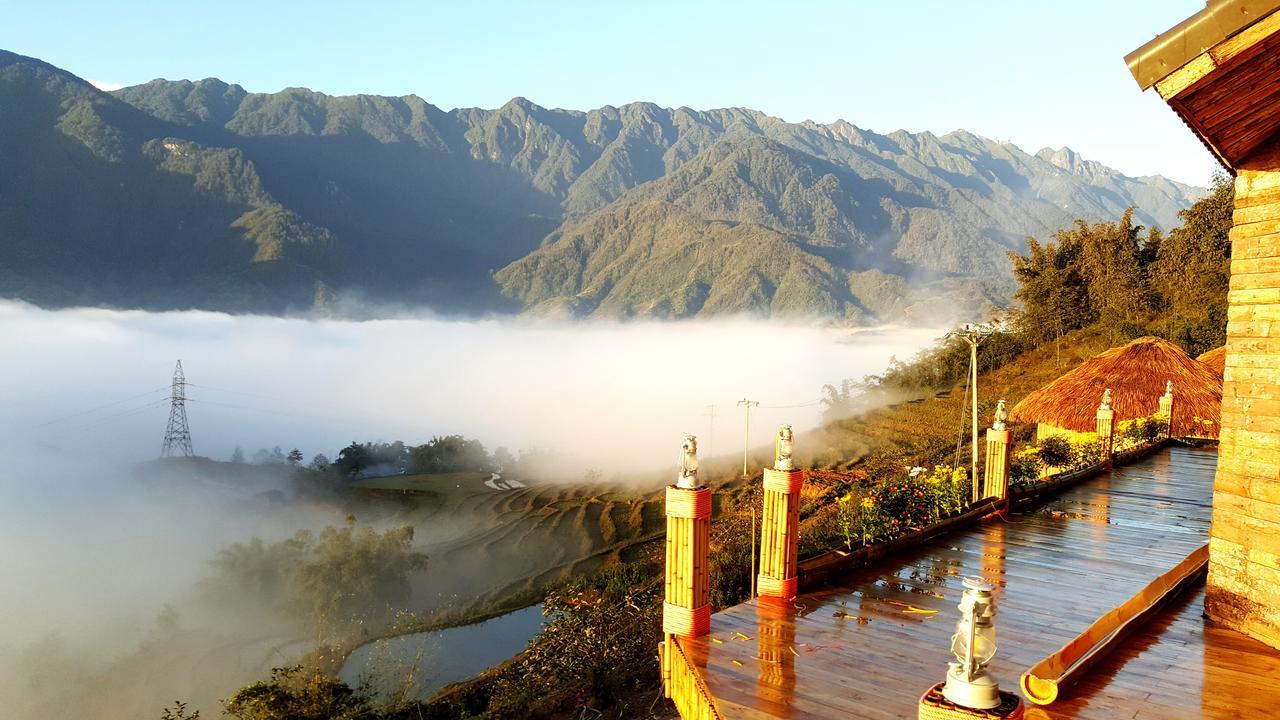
869, 647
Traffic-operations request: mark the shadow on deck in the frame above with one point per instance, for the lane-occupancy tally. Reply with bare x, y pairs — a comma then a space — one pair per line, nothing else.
869, 646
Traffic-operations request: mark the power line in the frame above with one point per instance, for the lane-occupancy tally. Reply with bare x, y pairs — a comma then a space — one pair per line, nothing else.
92, 410
811, 403
239, 407
237, 392
98, 422
326, 409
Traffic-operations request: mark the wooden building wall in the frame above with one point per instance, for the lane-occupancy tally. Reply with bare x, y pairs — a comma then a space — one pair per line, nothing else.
1244, 557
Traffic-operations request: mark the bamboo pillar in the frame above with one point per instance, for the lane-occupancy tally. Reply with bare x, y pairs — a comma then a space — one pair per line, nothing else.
1166, 407
996, 480
997, 475
686, 612
1106, 427
780, 526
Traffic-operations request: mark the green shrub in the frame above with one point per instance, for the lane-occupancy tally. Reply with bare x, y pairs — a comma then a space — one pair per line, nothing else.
1055, 451
1086, 453
295, 693
1141, 431
1025, 467
904, 503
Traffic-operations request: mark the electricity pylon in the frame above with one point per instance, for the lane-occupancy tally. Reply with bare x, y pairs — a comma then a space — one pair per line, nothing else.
177, 436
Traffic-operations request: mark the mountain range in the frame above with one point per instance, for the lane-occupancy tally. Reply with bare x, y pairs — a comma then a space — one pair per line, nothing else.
180, 194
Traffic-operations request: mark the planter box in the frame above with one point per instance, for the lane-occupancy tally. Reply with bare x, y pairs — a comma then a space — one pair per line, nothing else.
819, 570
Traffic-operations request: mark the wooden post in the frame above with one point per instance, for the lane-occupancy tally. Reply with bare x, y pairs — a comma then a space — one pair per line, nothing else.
687, 612
997, 474
1166, 408
780, 526
780, 535
1106, 427
996, 482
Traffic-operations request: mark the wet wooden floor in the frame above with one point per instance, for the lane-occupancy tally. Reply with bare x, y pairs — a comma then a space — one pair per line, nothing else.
870, 647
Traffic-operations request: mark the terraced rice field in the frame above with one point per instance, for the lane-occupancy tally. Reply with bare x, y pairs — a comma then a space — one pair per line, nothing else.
489, 545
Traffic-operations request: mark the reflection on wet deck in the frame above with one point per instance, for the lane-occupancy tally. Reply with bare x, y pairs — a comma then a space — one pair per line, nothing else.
871, 646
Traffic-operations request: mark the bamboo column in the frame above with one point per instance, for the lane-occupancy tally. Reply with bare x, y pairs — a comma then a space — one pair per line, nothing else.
686, 612
996, 483
1106, 427
780, 529
1166, 408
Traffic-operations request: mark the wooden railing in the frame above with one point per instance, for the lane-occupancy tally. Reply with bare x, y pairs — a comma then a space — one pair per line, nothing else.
683, 685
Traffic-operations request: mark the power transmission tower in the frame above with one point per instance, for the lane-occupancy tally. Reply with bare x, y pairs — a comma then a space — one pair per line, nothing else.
746, 405
177, 436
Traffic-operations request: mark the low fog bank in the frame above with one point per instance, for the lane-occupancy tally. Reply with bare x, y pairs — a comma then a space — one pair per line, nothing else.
617, 395
109, 603
104, 564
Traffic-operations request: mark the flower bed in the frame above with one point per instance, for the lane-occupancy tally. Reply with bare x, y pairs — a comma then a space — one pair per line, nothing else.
914, 495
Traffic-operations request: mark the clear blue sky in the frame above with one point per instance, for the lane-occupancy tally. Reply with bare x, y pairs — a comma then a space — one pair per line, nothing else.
1035, 72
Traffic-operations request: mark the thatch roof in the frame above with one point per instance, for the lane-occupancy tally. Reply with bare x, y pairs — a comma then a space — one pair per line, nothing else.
1216, 359
1136, 374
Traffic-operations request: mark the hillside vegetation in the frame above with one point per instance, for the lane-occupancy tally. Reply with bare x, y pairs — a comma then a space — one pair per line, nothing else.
178, 194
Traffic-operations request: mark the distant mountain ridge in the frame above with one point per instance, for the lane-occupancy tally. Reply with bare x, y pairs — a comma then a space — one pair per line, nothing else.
176, 194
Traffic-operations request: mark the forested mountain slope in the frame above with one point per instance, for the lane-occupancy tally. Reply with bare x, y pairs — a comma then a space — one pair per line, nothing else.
178, 194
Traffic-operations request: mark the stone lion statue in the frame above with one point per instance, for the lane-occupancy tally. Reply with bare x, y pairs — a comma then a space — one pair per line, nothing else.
1106, 399
688, 477
782, 449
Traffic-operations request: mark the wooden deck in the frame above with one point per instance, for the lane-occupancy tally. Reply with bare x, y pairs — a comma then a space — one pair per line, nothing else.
867, 649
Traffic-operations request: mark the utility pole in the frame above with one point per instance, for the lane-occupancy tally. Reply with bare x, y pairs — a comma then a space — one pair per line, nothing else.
973, 334
177, 435
711, 431
746, 406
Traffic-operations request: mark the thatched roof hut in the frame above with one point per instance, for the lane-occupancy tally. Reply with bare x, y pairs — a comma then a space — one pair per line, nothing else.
1136, 374
1216, 359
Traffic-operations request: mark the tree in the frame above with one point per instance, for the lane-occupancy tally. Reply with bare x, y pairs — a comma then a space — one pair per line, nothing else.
451, 453
503, 459
238, 455
1052, 288
294, 457
319, 462
1192, 272
337, 580
353, 458
1111, 259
